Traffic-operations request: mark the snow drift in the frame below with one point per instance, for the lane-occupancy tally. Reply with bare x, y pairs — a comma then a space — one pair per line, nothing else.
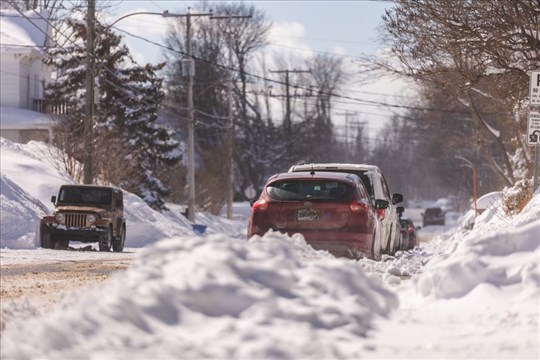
489, 253
30, 176
214, 297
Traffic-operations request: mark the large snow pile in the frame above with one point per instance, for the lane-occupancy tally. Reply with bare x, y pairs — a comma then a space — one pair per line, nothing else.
475, 293
214, 297
499, 250
31, 175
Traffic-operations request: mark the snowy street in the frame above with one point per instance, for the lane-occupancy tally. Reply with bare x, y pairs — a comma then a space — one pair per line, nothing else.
269, 180
461, 293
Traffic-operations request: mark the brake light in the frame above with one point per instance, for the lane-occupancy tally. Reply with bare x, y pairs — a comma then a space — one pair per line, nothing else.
380, 214
358, 206
259, 205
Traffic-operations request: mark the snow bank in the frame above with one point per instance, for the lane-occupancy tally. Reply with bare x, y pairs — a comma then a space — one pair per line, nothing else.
19, 213
214, 297
30, 176
499, 250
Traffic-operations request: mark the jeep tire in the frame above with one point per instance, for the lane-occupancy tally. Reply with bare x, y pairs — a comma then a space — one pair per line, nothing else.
46, 238
118, 243
106, 241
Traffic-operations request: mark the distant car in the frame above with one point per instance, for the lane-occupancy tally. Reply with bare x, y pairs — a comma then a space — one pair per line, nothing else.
413, 237
373, 179
404, 242
333, 211
85, 213
433, 216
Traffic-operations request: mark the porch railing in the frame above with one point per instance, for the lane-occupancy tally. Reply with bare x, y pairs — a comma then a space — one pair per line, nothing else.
49, 107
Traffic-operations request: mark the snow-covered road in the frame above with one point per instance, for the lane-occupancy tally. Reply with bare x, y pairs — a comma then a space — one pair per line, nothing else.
461, 294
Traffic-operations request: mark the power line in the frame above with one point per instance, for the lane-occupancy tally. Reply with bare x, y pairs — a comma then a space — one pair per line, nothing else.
321, 92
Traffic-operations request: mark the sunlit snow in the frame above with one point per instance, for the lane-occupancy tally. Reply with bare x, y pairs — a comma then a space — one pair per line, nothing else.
462, 294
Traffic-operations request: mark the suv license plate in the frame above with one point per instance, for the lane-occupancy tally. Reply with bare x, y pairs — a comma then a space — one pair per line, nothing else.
308, 214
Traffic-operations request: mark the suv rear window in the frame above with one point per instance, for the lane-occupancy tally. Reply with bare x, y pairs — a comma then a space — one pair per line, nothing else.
309, 190
433, 211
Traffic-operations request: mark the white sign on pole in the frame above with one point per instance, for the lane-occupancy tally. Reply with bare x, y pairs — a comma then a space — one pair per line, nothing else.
534, 93
533, 128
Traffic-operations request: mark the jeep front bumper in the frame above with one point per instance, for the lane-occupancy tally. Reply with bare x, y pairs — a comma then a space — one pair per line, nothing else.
78, 234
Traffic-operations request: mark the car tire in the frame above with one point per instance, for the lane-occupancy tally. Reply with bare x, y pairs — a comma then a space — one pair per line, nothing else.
118, 243
46, 238
62, 244
106, 241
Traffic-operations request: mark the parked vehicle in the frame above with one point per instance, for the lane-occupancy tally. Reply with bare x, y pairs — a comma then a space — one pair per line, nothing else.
333, 211
433, 216
85, 213
404, 238
412, 231
375, 183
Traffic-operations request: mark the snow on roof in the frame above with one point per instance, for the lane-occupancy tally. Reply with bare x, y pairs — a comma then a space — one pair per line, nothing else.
23, 34
19, 119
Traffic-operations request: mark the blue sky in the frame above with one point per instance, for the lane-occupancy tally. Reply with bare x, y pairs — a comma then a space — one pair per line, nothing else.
301, 28
327, 25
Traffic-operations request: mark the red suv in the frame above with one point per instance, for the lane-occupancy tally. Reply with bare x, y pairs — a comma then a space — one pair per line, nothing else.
331, 210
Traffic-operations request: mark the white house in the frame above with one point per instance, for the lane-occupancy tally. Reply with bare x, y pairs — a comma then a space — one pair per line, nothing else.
22, 39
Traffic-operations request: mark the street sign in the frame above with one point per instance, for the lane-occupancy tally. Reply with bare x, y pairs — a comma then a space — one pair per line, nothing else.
533, 128
534, 94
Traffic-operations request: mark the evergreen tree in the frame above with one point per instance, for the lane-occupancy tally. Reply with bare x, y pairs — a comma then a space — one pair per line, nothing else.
130, 147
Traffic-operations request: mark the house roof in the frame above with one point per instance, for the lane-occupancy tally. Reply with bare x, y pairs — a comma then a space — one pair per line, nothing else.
20, 119
23, 34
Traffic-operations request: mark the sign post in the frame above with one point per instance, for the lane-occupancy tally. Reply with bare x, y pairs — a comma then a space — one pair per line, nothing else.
533, 127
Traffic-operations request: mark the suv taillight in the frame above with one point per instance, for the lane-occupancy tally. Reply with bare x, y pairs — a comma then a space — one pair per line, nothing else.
380, 214
259, 205
358, 206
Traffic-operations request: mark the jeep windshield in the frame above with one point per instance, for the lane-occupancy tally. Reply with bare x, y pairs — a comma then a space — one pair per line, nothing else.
85, 196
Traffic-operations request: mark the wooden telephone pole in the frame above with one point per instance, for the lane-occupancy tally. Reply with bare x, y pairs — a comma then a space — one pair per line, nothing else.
188, 70
88, 175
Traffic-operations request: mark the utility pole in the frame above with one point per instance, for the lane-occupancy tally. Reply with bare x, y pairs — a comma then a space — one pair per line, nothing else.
347, 114
229, 182
188, 70
288, 121
89, 108
287, 124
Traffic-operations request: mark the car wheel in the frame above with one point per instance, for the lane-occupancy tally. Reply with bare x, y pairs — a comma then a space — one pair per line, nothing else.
106, 241
62, 244
118, 244
47, 240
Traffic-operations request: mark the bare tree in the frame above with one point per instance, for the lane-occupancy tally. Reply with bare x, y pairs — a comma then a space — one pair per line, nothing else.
480, 54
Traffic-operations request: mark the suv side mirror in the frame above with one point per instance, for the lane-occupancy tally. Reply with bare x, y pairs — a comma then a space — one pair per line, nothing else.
53, 199
381, 204
397, 198
400, 210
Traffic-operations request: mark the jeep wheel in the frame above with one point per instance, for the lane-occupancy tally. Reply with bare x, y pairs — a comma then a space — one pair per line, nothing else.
118, 244
47, 241
106, 241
